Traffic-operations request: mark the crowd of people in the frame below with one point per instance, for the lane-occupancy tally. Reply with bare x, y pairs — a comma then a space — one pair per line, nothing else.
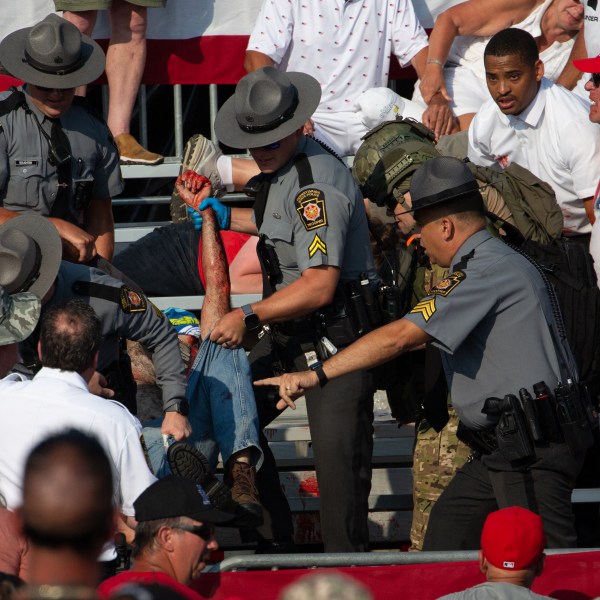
462, 329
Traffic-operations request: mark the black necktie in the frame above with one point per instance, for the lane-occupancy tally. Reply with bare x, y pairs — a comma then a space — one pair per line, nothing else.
260, 203
60, 157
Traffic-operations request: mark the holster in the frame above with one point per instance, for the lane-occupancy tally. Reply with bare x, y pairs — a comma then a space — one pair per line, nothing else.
483, 441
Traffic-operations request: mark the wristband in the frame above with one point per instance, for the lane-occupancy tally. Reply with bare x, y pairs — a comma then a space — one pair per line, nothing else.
318, 369
434, 61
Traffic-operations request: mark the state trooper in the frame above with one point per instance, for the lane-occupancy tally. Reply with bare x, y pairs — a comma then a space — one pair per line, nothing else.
494, 321
315, 253
30, 261
57, 157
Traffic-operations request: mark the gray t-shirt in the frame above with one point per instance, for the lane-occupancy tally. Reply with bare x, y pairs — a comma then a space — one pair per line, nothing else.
495, 591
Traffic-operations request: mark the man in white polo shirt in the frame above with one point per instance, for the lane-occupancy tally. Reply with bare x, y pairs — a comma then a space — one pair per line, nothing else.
539, 125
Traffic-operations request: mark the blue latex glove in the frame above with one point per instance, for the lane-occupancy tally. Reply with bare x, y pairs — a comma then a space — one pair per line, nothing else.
222, 212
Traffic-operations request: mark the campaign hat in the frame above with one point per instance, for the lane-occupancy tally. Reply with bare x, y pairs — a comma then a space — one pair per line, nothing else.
30, 254
53, 54
444, 179
267, 106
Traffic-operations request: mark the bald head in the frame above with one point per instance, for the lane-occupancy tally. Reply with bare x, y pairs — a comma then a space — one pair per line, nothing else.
68, 493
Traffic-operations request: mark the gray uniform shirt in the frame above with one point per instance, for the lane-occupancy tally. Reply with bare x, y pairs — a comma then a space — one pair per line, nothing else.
28, 182
490, 319
323, 223
132, 317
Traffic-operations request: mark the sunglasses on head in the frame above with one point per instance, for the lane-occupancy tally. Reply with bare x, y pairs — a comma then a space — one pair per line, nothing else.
595, 79
206, 532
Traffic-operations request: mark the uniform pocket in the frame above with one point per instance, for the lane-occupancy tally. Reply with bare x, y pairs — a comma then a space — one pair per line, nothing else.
25, 183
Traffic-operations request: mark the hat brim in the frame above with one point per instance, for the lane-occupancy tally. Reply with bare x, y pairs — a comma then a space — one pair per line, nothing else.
230, 133
12, 59
588, 65
212, 515
442, 200
46, 236
28, 306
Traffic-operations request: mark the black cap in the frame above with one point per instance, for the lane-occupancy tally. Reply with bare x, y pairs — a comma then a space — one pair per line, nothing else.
173, 497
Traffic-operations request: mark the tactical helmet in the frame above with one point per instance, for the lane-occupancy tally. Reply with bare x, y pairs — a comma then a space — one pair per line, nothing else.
377, 143
392, 174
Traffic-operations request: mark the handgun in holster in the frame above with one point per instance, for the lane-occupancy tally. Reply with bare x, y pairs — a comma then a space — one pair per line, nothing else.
482, 442
511, 431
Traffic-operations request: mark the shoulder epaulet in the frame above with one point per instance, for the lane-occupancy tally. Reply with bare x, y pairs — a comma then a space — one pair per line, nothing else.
129, 300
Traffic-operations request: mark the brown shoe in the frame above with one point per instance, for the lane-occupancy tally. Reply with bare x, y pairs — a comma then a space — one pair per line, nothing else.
241, 478
132, 153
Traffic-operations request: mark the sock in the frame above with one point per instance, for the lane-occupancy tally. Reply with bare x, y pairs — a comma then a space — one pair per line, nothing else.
225, 171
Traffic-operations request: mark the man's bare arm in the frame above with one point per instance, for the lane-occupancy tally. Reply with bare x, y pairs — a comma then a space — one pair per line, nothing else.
255, 60
570, 75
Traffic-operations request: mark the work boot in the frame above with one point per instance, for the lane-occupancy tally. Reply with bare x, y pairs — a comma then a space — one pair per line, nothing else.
187, 461
133, 153
199, 155
241, 478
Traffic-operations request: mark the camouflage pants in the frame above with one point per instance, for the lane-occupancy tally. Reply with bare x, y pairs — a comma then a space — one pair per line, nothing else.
436, 459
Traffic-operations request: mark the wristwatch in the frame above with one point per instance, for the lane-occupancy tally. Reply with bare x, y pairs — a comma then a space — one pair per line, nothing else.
180, 406
318, 369
251, 320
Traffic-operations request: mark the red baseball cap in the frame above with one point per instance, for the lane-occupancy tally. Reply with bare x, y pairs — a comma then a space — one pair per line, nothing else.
588, 65
513, 538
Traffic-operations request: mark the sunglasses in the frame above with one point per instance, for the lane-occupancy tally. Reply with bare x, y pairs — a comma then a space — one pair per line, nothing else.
206, 532
595, 79
272, 146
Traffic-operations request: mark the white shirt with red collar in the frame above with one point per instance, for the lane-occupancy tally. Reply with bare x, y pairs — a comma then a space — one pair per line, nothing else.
553, 138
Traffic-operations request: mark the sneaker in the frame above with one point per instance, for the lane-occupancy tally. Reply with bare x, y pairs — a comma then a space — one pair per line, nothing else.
199, 155
132, 153
187, 461
241, 478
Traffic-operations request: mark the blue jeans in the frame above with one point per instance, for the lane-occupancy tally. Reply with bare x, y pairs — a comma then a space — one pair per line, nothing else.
223, 412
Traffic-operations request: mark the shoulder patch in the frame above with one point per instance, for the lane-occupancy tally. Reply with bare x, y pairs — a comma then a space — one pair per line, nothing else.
425, 308
444, 287
317, 245
132, 301
310, 204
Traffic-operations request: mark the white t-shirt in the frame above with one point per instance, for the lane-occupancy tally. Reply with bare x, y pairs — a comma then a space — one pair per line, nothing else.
346, 46
553, 138
52, 402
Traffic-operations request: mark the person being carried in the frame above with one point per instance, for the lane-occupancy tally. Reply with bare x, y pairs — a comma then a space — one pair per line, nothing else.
222, 410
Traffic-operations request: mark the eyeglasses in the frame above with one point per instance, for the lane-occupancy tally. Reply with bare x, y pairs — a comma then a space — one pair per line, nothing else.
206, 532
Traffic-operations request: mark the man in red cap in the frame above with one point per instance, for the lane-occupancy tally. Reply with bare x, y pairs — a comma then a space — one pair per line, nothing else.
511, 556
